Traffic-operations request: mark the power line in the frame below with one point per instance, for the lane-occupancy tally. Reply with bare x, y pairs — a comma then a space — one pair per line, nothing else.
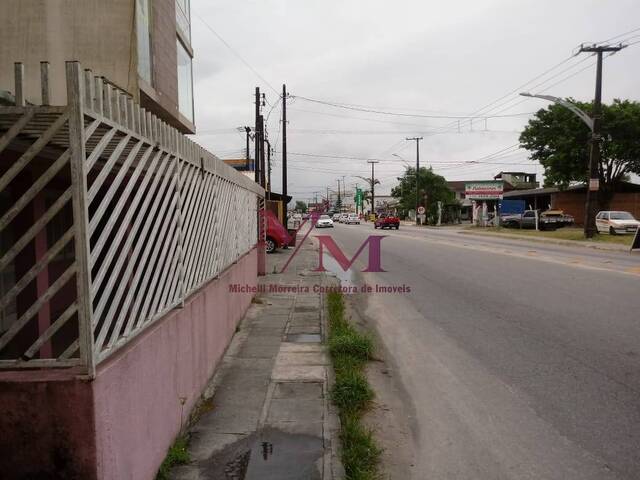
618, 36
518, 89
232, 50
401, 114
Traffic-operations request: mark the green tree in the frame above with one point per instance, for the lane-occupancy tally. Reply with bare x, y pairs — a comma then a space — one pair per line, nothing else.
301, 206
561, 143
433, 188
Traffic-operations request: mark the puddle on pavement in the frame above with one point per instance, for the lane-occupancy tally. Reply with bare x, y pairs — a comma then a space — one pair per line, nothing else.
304, 337
346, 278
267, 455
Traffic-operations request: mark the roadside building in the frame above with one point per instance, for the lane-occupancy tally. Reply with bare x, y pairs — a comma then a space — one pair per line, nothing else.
383, 204
142, 46
504, 181
119, 237
517, 180
242, 165
572, 199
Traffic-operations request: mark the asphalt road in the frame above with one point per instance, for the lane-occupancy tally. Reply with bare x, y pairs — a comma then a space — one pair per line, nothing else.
520, 360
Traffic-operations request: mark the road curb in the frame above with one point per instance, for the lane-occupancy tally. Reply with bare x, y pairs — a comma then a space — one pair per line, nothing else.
566, 243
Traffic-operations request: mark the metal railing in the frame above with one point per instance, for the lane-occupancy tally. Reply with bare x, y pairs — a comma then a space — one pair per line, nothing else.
113, 218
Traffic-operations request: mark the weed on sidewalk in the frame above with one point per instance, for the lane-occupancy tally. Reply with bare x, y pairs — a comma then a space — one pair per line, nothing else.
178, 454
351, 393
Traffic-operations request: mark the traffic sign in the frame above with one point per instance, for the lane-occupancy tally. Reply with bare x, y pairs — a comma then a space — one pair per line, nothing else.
421, 210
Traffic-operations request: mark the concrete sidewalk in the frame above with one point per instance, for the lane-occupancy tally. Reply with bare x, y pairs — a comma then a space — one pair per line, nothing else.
266, 414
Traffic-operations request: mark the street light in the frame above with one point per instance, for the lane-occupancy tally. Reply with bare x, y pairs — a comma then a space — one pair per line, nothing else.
581, 114
588, 121
401, 159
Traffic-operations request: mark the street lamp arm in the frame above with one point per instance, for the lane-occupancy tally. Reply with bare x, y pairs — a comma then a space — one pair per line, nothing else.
581, 114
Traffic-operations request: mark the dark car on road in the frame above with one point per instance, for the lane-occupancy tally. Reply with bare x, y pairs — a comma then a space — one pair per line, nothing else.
387, 221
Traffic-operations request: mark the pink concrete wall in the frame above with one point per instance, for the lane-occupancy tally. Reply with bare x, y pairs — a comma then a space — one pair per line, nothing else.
135, 404
46, 426
138, 393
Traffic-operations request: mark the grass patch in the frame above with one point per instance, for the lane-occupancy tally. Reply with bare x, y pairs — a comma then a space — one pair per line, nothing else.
178, 454
360, 454
352, 344
351, 393
566, 233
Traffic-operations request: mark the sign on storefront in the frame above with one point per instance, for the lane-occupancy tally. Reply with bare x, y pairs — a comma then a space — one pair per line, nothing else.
488, 190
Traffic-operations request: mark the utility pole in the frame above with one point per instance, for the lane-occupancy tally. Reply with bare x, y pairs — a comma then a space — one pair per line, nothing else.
256, 138
417, 140
248, 132
355, 198
263, 177
328, 199
266, 140
284, 144
373, 185
594, 158
339, 202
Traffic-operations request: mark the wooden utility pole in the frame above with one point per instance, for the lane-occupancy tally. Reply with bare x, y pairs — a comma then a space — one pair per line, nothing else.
594, 158
417, 140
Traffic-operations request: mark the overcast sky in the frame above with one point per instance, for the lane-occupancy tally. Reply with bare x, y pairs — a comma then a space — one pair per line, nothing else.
429, 58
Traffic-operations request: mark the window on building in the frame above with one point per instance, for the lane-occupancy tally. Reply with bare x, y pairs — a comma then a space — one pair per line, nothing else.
183, 17
143, 33
185, 82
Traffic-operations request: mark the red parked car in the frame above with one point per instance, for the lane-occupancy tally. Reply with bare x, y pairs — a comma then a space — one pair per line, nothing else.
276, 235
387, 221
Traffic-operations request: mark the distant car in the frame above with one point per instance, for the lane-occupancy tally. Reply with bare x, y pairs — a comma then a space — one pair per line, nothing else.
546, 221
343, 217
387, 221
324, 222
561, 220
352, 218
615, 222
336, 217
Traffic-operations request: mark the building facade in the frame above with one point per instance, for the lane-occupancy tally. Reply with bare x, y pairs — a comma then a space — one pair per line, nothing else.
571, 200
142, 46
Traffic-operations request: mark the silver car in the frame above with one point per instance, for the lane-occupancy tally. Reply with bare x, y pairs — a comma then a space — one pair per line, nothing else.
615, 222
324, 222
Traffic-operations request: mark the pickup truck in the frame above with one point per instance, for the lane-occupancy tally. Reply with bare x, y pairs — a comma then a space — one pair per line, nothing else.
387, 221
550, 220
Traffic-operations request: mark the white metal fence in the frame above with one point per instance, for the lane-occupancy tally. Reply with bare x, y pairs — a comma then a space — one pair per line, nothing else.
118, 218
